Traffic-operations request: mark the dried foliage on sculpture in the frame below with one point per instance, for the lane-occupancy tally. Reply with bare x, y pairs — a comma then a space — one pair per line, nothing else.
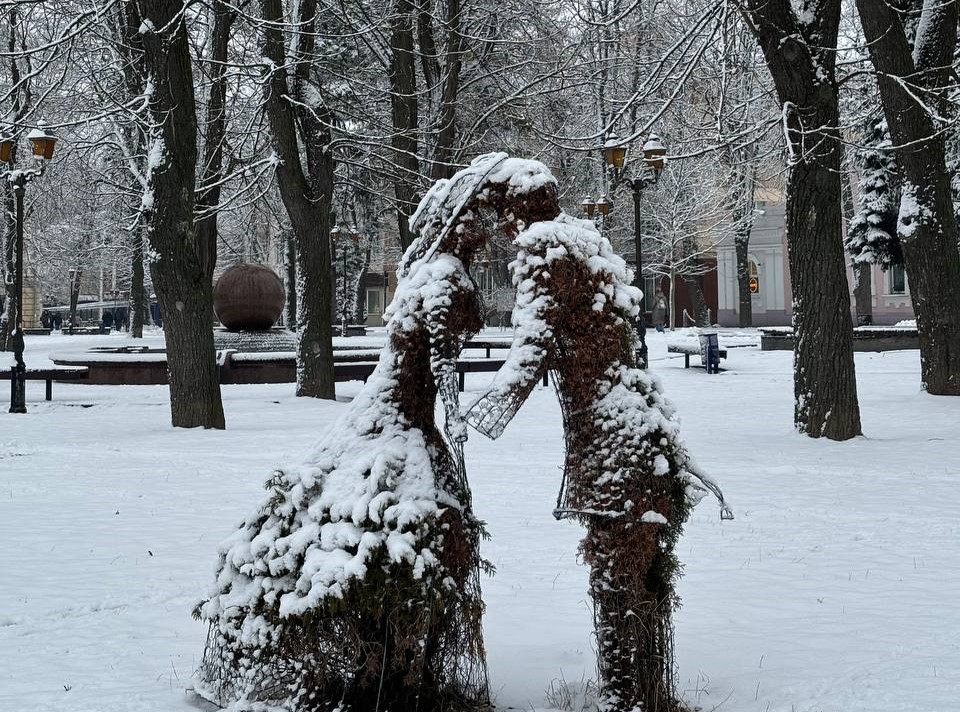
627, 476
355, 584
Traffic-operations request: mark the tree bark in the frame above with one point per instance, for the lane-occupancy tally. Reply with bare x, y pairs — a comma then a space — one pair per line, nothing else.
803, 66
183, 285
405, 113
75, 294
9, 286
443, 154
138, 292
741, 245
20, 104
129, 45
927, 227
216, 127
291, 246
306, 199
862, 272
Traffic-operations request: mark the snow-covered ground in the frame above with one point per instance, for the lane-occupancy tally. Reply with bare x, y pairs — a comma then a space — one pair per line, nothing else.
836, 588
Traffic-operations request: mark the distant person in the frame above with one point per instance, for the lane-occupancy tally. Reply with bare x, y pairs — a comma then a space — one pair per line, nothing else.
659, 311
107, 320
45, 320
57, 322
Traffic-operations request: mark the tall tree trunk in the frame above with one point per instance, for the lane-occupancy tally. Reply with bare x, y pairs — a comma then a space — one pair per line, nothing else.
404, 109
927, 226
138, 292
216, 127
20, 104
863, 293
802, 63
129, 46
862, 272
307, 200
9, 286
183, 285
443, 154
291, 317
75, 283
741, 245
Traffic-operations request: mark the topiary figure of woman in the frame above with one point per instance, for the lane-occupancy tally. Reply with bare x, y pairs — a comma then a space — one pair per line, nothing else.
628, 478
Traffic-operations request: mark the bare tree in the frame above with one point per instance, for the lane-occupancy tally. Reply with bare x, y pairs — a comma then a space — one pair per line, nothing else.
913, 81
297, 114
180, 270
800, 52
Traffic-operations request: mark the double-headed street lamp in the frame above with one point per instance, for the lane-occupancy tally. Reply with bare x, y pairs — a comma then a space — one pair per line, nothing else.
336, 234
615, 155
43, 143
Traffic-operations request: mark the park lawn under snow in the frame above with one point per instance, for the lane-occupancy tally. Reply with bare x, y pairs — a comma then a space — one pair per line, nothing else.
837, 587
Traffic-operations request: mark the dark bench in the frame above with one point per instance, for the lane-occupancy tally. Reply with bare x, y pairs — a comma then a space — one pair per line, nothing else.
486, 345
86, 330
709, 352
361, 371
49, 375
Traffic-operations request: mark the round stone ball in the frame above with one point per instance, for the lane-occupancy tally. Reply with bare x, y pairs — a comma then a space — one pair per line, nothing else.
248, 298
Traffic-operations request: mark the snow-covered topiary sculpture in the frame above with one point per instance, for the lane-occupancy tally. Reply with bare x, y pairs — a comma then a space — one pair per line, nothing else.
628, 478
355, 584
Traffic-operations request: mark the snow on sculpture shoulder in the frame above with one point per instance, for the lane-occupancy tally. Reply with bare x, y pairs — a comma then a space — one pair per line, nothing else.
355, 584
627, 477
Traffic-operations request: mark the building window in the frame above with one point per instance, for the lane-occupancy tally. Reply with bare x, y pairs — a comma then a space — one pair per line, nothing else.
896, 280
373, 301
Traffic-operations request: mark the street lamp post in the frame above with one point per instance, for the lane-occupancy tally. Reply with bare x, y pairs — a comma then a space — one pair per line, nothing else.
43, 144
614, 154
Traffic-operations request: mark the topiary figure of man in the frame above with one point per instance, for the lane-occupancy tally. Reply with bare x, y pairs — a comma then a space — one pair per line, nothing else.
628, 478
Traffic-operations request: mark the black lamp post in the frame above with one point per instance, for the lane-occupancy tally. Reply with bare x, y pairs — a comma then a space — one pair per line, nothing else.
615, 154
43, 144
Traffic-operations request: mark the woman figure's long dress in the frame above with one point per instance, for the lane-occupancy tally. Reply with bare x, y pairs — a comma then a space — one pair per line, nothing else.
355, 584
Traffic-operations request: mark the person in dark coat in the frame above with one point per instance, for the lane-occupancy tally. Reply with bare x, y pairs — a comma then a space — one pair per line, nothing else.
659, 315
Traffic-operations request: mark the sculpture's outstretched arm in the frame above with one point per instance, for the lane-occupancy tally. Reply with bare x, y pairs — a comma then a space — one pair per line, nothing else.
451, 308
529, 358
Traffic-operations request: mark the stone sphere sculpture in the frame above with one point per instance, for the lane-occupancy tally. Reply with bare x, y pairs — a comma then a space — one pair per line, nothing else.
248, 298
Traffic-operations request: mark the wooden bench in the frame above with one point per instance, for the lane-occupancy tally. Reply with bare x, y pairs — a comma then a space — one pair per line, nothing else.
49, 375
689, 351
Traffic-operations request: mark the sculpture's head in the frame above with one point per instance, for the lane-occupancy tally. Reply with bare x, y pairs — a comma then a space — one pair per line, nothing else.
449, 219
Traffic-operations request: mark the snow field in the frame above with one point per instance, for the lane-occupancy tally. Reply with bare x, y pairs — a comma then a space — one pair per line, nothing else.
836, 588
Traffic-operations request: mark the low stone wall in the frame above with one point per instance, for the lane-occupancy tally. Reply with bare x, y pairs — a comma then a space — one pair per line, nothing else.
865, 338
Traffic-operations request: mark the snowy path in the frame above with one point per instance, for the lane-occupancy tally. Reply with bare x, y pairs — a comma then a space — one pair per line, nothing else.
836, 588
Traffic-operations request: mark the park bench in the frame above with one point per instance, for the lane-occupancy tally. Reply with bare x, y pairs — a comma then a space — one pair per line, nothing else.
86, 330
348, 371
709, 351
487, 345
49, 375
